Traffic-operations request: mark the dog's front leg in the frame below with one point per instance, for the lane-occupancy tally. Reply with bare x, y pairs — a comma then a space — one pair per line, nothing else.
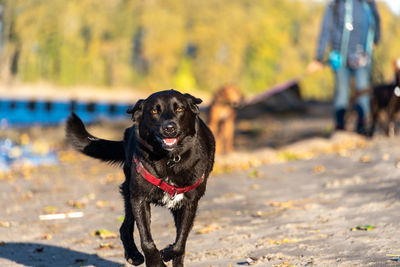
228, 130
132, 254
183, 218
141, 212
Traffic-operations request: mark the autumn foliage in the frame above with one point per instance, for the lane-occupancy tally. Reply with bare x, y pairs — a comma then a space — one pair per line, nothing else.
173, 43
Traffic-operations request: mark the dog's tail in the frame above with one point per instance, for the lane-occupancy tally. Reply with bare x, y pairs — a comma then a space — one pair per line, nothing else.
105, 150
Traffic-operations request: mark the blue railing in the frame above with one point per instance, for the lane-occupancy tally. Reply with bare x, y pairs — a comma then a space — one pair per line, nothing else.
20, 113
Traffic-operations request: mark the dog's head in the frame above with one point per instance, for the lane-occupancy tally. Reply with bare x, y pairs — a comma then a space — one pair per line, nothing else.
166, 118
229, 95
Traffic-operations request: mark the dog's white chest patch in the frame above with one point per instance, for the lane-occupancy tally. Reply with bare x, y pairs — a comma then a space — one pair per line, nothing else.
172, 203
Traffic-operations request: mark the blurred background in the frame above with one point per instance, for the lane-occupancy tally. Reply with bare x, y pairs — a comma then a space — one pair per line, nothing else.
98, 57
188, 45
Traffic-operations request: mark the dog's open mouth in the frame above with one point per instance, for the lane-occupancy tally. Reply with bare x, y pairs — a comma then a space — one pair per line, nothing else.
168, 143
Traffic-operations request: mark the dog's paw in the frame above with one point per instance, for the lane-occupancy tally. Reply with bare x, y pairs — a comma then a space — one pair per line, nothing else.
134, 258
167, 253
170, 253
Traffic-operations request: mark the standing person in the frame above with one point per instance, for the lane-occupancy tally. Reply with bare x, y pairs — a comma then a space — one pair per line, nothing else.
351, 27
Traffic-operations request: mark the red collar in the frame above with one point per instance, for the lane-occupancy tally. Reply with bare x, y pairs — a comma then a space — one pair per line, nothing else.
170, 189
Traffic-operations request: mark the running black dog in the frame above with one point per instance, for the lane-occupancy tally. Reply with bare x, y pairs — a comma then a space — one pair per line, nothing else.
386, 97
167, 156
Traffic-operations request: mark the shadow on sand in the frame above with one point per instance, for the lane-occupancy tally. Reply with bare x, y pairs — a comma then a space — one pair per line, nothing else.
35, 254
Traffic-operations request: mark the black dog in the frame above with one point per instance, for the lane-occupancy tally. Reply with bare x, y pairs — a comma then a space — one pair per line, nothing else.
168, 155
386, 97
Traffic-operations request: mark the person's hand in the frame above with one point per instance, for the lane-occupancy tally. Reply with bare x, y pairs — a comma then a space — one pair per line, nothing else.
314, 66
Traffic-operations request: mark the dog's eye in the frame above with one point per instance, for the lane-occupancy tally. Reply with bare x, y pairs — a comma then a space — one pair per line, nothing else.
179, 109
154, 111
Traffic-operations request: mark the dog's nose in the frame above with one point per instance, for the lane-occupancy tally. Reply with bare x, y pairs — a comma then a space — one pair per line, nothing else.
169, 128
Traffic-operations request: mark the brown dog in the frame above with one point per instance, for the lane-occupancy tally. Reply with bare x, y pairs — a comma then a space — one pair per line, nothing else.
221, 118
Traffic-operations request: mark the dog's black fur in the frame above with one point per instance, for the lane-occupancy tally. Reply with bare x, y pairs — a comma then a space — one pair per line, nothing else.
162, 116
384, 99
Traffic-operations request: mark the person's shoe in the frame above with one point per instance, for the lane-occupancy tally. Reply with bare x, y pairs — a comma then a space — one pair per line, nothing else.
339, 119
361, 129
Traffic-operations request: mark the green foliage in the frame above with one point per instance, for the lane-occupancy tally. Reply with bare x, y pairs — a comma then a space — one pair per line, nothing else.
253, 43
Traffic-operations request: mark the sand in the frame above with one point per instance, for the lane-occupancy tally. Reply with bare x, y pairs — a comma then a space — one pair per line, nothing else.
296, 212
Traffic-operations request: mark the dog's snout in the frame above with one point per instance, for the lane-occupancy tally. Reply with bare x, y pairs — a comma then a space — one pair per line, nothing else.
169, 128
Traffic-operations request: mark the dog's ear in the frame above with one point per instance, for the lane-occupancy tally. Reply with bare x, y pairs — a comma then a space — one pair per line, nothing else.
193, 102
137, 110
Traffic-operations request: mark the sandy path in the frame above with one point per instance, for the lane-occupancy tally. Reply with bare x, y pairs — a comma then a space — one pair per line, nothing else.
298, 213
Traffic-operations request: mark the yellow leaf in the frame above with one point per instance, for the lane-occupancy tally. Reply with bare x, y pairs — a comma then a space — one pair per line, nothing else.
208, 229
319, 169
104, 234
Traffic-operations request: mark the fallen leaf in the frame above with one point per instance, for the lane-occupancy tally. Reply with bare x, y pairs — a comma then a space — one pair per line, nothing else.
364, 227
259, 213
5, 224
90, 196
284, 264
47, 237
101, 203
208, 229
76, 204
319, 169
282, 241
121, 218
255, 187
108, 245
366, 159
290, 204
287, 204
104, 234
255, 173
288, 156
27, 196
50, 209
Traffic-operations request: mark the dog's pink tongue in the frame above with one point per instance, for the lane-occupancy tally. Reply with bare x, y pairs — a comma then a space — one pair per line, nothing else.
169, 141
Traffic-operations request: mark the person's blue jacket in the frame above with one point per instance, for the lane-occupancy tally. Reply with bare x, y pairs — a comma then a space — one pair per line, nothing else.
332, 27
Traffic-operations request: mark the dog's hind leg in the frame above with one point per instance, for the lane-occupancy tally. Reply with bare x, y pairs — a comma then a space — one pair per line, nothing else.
183, 218
132, 254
